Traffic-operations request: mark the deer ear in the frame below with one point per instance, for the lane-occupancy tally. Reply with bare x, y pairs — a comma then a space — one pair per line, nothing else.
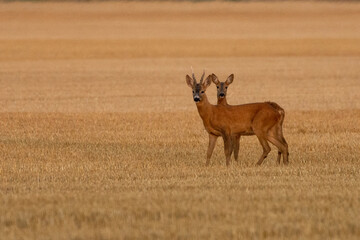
215, 79
230, 79
207, 82
189, 81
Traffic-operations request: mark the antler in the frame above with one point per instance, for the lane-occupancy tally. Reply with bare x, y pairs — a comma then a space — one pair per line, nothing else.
193, 75
202, 77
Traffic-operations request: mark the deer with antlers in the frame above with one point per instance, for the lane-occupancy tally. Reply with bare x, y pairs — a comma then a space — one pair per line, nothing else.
260, 119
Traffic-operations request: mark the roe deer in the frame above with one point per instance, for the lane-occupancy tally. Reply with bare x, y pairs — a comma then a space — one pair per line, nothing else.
260, 119
221, 96
221, 100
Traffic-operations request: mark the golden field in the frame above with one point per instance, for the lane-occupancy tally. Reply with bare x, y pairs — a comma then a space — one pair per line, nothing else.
100, 137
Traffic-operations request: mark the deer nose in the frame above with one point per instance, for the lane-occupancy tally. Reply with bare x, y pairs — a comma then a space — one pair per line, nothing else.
222, 95
196, 99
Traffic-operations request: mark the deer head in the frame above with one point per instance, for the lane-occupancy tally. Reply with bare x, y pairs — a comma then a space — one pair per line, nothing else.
222, 86
198, 89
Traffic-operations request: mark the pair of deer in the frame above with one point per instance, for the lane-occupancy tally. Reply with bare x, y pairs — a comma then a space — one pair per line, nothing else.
231, 121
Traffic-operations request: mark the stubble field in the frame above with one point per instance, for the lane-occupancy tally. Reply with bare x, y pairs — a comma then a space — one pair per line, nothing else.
100, 138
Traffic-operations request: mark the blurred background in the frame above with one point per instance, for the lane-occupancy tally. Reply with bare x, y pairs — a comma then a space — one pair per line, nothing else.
126, 56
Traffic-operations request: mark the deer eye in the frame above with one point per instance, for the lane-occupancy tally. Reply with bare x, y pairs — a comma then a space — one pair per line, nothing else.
217, 86
193, 91
225, 87
202, 91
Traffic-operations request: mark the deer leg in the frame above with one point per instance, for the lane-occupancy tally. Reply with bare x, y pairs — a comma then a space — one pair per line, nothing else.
236, 142
285, 157
228, 147
281, 137
212, 142
278, 157
282, 148
276, 137
266, 149
277, 133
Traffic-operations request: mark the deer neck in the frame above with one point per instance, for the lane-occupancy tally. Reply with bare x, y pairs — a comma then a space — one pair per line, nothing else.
204, 108
222, 101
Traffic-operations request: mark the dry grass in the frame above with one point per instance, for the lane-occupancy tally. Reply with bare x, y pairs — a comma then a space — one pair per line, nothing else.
100, 139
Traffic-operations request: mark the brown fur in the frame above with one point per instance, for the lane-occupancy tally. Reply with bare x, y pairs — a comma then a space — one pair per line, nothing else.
279, 109
221, 100
260, 119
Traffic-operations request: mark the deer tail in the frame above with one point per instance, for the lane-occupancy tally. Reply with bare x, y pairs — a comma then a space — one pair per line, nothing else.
280, 110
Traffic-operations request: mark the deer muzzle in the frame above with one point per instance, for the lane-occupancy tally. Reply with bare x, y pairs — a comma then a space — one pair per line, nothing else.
196, 98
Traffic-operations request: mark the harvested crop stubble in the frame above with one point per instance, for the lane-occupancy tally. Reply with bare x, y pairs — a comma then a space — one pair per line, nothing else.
100, 137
